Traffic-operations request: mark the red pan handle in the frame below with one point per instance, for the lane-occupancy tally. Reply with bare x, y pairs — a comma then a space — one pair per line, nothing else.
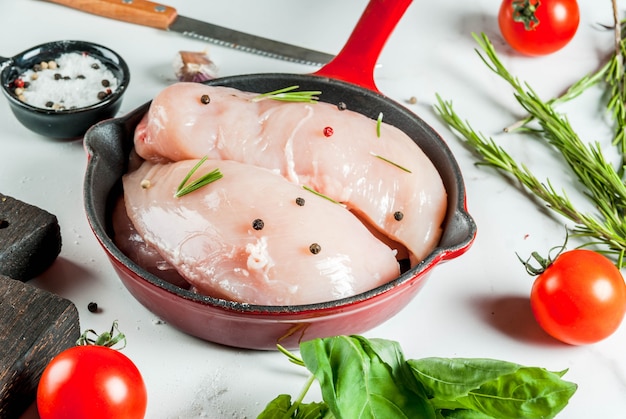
355, 63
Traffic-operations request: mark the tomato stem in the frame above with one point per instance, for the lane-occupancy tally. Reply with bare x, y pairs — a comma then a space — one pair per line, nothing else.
108, 339
544, 262
534, 271
524, 12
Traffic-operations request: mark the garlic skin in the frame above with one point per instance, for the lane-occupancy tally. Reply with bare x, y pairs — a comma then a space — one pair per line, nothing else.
194, 67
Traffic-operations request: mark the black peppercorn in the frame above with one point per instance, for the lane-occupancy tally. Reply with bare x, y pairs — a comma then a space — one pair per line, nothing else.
95, 66
398, 215
92, 307
258, 224
205, 99
102, 95
300, 201
49, 104
105, 83
315, 248
342, 106
58, 76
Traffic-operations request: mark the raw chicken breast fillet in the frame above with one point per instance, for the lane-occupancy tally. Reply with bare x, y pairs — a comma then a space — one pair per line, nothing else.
294, 253
353, 166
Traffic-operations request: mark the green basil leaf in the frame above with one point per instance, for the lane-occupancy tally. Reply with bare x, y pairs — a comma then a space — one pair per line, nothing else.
495, 388
449, 379
388, 351
357, 384
313, 411
280, 406
463, 414
528, 393
391, 354
277, 408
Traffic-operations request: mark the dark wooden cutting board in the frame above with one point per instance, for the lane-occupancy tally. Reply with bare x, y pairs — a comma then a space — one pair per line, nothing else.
30, 239
35, 325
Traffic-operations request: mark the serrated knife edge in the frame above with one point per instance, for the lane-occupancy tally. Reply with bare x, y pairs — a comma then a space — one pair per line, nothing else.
248, 43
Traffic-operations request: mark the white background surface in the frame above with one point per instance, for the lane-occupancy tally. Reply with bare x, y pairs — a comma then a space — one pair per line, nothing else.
473, 306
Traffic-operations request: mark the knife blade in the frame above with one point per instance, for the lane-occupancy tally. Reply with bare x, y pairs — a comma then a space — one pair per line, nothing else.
160, 16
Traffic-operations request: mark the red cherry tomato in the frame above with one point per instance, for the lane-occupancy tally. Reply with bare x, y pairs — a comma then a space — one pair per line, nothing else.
538, 27
91, 382
580, 298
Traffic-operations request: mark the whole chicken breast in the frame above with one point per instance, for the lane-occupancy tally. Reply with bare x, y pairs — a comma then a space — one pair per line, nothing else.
373, 168
252, 236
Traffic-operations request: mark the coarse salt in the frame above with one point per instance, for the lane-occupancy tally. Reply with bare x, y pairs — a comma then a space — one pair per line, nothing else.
79, 80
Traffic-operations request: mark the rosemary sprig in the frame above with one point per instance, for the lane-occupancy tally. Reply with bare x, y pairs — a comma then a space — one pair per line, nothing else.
602, 183
615, 82
204, 180
572, 92
288, 94
495, 156
614, 77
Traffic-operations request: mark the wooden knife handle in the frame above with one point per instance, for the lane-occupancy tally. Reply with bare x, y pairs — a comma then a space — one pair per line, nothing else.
140, 12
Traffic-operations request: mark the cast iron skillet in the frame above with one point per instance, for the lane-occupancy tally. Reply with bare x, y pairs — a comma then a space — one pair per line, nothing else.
349, 79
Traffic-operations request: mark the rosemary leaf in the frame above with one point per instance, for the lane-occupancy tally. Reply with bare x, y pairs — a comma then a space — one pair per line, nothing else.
390, 162
184, 188
288, 94
313, 191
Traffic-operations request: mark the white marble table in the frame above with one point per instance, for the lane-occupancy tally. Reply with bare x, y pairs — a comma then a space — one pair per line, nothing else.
474, 306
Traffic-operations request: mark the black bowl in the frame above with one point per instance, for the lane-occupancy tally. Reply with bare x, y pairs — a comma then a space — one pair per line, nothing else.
66, 123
